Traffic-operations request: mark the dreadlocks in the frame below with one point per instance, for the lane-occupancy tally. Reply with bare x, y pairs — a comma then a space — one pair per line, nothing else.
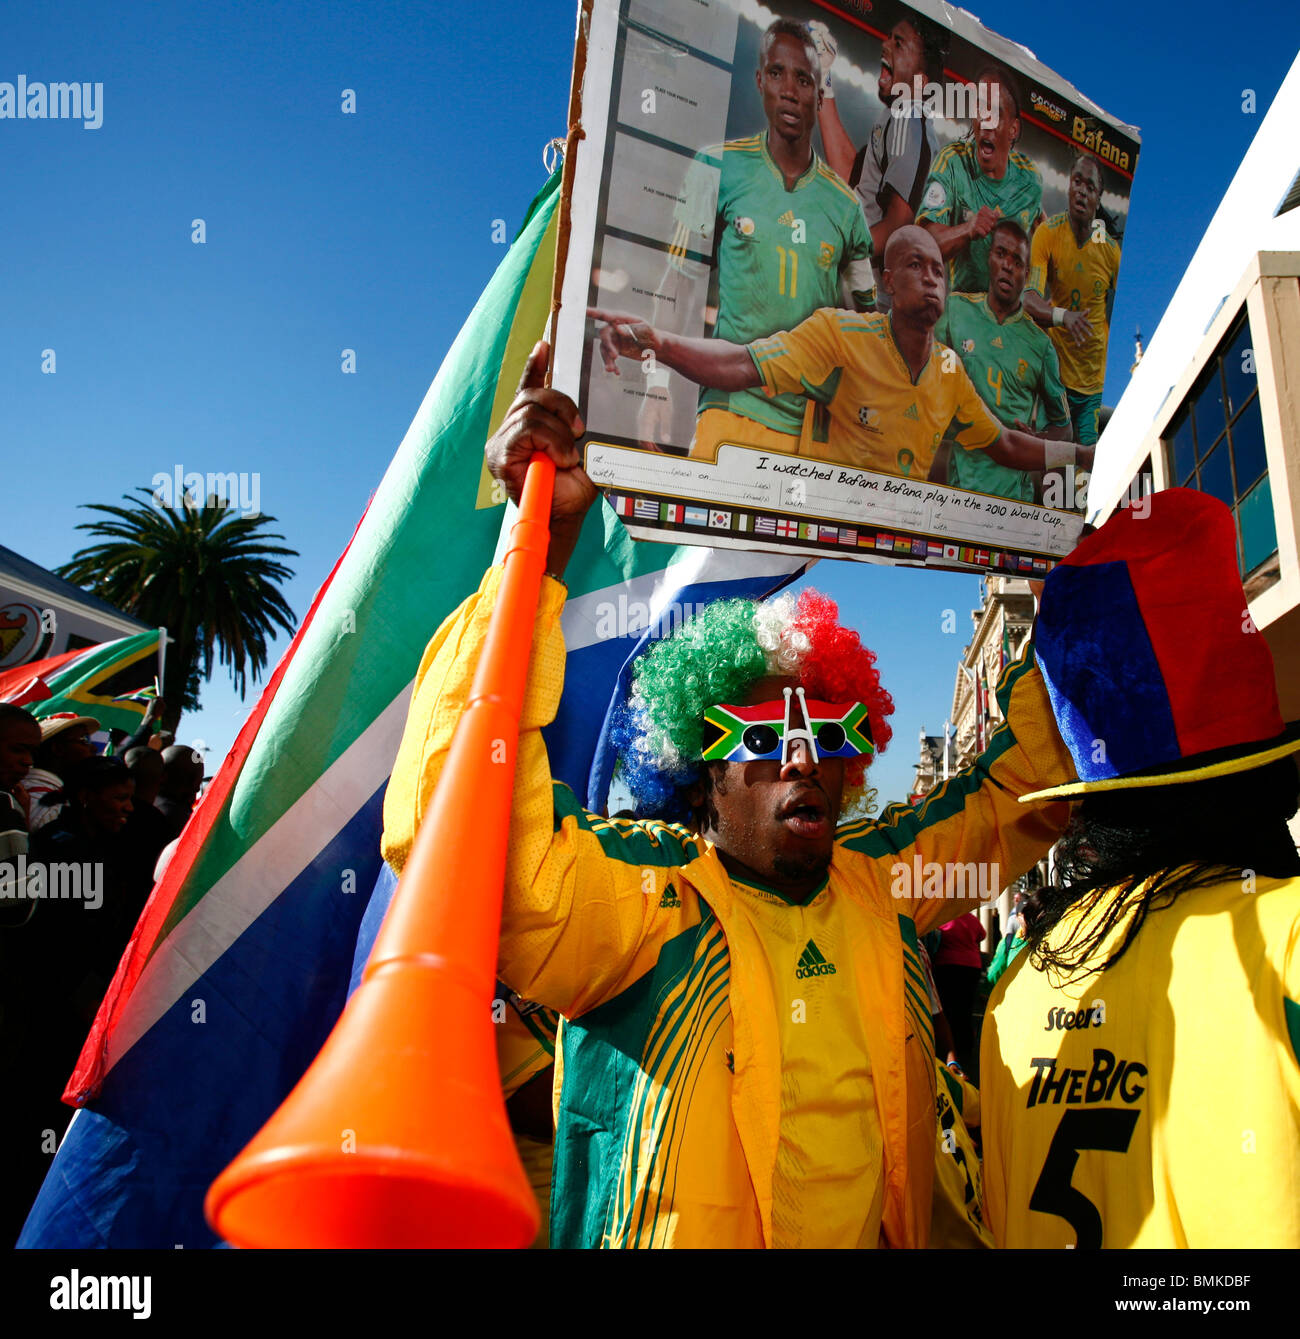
1154, 843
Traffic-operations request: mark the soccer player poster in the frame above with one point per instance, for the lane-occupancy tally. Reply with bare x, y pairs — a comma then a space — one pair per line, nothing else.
838, 280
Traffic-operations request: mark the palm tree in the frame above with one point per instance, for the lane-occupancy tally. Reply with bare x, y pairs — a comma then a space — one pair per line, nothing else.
205, 573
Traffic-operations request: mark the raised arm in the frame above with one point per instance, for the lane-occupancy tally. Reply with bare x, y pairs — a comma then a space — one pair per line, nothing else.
840, 152
835, 139
716, 363
581, 916
971, 837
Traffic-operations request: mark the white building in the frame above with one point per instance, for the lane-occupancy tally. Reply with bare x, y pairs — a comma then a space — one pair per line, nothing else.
1214, 403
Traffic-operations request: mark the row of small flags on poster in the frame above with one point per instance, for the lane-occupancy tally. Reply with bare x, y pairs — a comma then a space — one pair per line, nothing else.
657, 512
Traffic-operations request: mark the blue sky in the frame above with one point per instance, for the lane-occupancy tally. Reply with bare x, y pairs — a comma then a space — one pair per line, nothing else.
373, 232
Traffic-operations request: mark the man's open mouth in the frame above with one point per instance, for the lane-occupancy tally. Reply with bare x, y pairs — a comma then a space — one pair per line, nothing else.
806, 816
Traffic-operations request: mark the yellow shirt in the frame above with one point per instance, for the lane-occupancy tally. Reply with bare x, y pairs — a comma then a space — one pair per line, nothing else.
879, 418
1156, 1103
828, 1183
1079, 278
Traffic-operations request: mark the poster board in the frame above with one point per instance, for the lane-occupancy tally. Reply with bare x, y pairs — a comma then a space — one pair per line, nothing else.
705, 207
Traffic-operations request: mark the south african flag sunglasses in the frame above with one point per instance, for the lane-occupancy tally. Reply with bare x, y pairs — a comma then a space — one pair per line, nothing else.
763, 732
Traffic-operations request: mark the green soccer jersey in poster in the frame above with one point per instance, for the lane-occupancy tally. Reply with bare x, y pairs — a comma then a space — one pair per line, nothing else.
1015, 371
957, 190
780, 254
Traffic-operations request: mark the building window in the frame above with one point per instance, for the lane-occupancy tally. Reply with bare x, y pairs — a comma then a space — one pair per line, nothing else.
1215, 444
1140, 486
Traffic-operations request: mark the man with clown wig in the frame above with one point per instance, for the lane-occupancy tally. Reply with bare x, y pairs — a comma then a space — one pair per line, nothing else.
747, 1055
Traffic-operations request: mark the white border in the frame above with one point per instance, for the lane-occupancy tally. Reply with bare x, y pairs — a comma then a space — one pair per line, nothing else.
597, 81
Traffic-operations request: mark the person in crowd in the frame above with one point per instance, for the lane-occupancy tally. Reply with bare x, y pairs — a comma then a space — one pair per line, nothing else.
1015, 922
58, 964
90, 834
148, 829
182, 776
20, 738
65, 742
747, 1052
957, 967
1141, 1057
1019, 924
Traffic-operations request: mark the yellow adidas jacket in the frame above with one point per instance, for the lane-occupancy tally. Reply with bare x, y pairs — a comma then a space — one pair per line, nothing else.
632, 931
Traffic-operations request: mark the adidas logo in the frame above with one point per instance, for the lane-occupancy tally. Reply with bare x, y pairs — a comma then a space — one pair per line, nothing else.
811, 963
909, 412
997, 341
670, 898
787, 219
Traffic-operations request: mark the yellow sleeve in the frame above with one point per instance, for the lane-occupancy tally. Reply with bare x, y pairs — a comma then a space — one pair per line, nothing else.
588, 902
1040, 255
793, 361
1289, 1035
973, 427
971, 837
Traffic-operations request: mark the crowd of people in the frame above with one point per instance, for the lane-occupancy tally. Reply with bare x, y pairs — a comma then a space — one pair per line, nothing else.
82, 834
749, 1040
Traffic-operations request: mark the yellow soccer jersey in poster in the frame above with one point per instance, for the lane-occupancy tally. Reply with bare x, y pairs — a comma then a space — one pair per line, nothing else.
1079, 278
878, 417
1156, 1103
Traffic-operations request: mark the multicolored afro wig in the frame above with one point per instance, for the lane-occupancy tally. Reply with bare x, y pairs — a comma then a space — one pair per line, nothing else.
716, 657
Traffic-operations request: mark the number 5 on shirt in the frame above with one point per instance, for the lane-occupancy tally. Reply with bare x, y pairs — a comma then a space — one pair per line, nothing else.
1107, 1131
